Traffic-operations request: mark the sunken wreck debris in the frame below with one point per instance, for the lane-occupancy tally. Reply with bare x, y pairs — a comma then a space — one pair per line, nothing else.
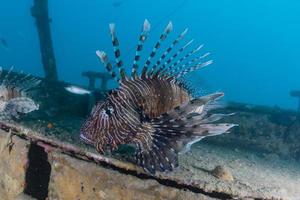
93, 76
39, 11
71, 173
99, 91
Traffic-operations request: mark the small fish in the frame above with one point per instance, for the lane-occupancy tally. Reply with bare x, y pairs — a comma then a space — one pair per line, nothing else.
77, 90
156, 110
14, 95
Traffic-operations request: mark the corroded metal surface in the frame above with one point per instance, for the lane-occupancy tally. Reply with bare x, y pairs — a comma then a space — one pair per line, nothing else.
78, 174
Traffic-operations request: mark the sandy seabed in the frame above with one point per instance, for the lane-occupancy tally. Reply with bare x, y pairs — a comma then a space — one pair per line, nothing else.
254, 175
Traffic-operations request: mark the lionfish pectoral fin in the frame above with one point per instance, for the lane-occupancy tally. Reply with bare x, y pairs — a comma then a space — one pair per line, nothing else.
155, 150
203, 131
159, 157
176, 131
197, 106
169, 140
188, 145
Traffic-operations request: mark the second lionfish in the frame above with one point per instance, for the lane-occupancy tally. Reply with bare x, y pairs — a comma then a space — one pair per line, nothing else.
154, 110
15, 100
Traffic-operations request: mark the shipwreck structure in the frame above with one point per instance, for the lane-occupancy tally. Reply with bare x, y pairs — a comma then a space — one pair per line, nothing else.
39, 11
93, 76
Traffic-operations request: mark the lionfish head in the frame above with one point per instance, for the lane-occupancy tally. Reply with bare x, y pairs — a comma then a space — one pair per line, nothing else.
97, 125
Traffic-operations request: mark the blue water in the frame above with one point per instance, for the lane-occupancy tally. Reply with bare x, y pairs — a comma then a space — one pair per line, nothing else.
254, 43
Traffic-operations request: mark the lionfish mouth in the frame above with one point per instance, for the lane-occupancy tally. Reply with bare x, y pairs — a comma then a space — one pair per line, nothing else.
85, 139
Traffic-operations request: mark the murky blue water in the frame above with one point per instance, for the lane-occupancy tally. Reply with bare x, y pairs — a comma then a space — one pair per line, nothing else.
254, 43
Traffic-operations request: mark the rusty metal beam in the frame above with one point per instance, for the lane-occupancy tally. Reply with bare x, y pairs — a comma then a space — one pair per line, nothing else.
39, 11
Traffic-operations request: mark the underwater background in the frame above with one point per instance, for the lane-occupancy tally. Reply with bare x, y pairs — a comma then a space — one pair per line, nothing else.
255, 48
254, 44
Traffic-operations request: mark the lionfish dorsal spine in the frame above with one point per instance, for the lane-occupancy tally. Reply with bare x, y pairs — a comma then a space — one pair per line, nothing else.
193, 68
109, 67
142, 38
177, 53
24, 84
117, 51
162, 37
182, 59
167, 52
173, 69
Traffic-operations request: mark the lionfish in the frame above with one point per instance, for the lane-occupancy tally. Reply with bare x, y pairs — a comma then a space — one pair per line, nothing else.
153, 110
14, 95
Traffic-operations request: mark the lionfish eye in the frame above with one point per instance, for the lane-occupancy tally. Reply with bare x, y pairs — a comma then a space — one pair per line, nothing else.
109, 111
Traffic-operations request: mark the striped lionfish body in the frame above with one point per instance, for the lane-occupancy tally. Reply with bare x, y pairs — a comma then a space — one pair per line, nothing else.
14, 97
155, 110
